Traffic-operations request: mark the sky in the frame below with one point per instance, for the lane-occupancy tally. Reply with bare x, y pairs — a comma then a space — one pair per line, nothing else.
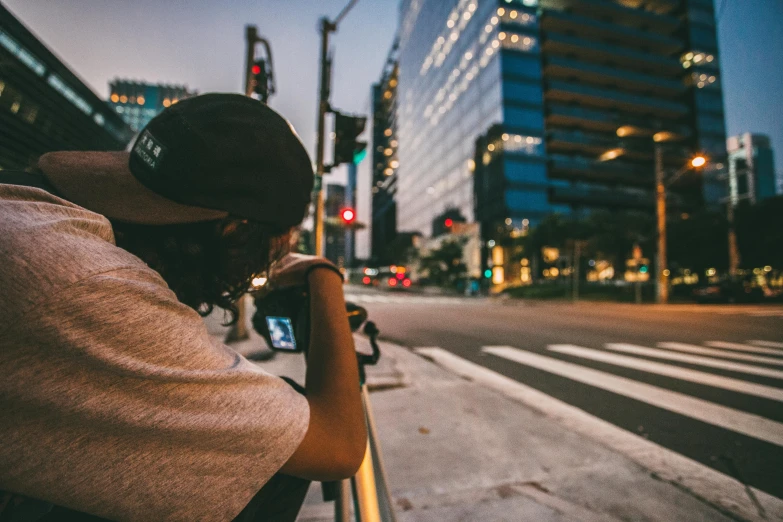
200, 43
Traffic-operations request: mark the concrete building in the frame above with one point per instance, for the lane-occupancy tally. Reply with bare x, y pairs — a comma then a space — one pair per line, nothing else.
137, 102
44, 106
565, 100
751, 168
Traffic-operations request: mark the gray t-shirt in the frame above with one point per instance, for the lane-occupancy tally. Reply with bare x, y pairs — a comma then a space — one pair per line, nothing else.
113, 398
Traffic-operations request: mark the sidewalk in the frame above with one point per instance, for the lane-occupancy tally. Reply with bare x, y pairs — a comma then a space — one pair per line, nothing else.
456, 449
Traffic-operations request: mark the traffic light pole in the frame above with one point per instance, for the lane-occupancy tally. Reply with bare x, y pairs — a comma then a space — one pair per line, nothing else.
323, 108
251, 37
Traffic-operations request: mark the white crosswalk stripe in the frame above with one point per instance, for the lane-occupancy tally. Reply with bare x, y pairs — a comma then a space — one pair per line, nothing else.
722, 353
741, 347
771, 344
717, 381
704, 481
695, 359
410, 299
723, 346
705, 411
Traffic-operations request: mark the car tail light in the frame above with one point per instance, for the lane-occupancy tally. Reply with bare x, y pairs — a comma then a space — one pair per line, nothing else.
392, 282
406, 283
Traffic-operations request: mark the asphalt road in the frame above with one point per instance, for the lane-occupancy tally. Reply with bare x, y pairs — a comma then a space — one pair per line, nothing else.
726, 411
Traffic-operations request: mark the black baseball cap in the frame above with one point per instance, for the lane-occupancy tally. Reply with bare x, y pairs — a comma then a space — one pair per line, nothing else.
203, 158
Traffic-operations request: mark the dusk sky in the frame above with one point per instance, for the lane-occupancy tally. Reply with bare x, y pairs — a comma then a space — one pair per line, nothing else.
200, 43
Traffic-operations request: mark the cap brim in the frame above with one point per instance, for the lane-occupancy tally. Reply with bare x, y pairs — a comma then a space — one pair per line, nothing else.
102, 182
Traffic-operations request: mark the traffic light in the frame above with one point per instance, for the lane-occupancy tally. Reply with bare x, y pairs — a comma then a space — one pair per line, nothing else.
348, 215
448, 222
346, 131
260, 79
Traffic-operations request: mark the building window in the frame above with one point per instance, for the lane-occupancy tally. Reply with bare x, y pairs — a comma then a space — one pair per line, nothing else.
23, 54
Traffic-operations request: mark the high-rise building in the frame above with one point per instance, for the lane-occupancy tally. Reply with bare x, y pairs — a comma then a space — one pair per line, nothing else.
751, 168
565, 99
384, 158
44, 106
137, 102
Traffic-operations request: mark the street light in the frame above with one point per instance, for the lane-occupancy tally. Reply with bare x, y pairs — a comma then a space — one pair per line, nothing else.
662, 276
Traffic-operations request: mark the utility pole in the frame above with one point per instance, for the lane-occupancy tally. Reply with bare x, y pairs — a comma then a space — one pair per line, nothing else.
323, 107
662, 272
324, 90
734, 258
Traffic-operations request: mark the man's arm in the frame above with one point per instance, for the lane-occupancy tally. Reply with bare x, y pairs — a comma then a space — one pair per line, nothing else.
336, 438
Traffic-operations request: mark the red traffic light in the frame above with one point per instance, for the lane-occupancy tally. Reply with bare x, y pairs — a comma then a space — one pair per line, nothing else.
448, 222
348, 215
256, 69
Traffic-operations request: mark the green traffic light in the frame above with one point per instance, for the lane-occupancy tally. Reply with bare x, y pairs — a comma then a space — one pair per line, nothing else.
487, 273
359, 156
643, 270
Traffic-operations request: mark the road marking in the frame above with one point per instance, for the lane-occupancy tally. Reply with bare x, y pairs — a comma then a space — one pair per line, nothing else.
722, 353
766, 392
695, 359
711, 413
751, 349
771, 344
742, 347
703, 481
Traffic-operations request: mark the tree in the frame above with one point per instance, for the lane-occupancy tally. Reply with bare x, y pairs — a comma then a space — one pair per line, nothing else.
698, 242
444, 265
760, 233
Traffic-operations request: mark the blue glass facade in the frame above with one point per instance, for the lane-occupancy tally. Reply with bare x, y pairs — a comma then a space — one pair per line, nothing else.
513, 109
137, 103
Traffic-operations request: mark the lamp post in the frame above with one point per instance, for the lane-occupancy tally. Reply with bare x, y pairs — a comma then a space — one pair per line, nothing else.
662, 270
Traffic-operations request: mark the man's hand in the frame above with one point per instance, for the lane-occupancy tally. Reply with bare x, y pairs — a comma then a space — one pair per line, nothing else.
293, 269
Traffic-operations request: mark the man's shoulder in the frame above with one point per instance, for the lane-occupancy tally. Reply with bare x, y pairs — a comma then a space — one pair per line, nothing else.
47, 243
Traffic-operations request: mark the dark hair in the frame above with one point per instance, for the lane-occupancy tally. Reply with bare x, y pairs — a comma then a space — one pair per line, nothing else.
206, 264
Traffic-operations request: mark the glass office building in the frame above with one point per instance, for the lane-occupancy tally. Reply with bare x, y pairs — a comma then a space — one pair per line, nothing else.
44, 106
137, 102
385, 161
513, 109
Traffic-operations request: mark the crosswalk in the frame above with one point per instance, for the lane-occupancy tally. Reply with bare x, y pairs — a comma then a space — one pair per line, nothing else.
410, 299
751, 369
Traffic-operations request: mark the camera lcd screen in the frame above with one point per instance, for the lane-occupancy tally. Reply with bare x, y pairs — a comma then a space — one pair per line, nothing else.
281, 333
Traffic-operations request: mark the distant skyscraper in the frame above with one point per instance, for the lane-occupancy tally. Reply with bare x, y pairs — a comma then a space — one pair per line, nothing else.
137, 103
384, 158
44, 106
751, 168
566, 99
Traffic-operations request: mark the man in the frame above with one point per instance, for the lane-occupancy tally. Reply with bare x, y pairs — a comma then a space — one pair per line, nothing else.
113, 400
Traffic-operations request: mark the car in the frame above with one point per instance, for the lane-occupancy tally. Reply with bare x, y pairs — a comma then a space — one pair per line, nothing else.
729, 290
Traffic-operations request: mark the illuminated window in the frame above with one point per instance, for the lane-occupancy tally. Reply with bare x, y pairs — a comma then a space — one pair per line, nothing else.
24, 56
59, 85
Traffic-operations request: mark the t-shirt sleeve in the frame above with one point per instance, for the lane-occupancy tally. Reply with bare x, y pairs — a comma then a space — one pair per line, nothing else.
133, 399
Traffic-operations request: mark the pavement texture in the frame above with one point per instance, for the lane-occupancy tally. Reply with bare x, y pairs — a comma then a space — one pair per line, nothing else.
455, 450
